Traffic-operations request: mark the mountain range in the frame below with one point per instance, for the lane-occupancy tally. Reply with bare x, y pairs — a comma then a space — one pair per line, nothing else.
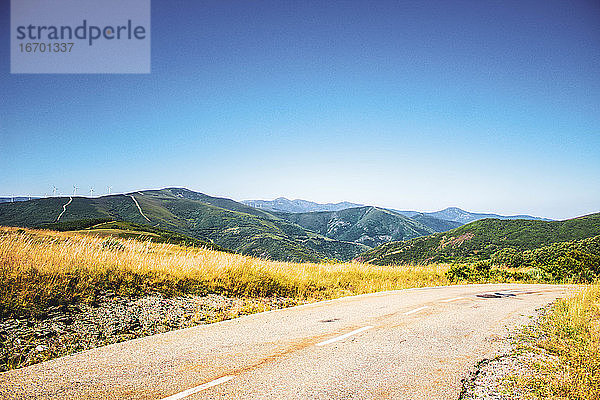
464, 217
370, 226
281, 204
341, 231
454, 214
310, 236
221, 221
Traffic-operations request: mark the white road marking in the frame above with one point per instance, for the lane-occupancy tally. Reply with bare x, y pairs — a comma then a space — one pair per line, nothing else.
139, 208
197, 389
347, 335
415, 310
452, 299
64, 208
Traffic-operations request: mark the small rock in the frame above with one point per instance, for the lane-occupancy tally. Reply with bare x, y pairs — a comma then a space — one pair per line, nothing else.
41, 347
64, 319
42, 333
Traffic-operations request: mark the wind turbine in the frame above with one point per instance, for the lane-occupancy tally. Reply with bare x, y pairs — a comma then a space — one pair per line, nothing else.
109, 189
53, 190
91, 192
74, 190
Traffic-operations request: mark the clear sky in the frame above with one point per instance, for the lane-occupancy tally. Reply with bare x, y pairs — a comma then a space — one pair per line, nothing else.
484, 105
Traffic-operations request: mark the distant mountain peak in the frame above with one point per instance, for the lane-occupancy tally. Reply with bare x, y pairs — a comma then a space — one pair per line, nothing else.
456, 214
282, 204
464, 217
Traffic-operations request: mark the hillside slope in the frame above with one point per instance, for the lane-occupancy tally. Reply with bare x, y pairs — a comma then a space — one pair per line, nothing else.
480, 239
105, 227
221, 221
437, 224
370, 226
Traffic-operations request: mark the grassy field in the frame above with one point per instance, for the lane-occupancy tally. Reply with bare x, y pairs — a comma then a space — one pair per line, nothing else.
568, 339
40, 269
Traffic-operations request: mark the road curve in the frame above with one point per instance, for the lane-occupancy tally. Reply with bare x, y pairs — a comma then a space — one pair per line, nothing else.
406, 344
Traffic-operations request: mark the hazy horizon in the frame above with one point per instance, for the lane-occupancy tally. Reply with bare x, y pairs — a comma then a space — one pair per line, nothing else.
486, 106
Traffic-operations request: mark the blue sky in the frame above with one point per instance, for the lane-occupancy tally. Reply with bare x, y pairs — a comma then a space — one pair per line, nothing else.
484, 105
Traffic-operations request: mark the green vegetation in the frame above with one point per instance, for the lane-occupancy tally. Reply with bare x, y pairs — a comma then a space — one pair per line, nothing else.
566, 349
506, 250
129, 230
74, 225
480, 240
370, 226
576, 261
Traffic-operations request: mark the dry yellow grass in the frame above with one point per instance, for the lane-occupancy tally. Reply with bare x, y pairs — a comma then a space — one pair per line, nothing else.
43, 268
569, 340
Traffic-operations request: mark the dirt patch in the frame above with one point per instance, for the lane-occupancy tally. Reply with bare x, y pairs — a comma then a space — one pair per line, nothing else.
455, 241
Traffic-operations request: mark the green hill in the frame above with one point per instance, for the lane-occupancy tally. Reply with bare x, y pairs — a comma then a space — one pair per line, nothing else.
129, 230
370, 226
482, 239
223, 222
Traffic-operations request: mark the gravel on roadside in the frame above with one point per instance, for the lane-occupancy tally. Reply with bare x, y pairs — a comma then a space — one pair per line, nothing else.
73, 328
492, 379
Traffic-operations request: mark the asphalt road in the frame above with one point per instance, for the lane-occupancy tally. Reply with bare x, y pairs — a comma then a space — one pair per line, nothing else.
407, 344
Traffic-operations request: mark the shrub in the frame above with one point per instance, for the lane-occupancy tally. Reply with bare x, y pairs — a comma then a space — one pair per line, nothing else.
574, 266
459, 272
508, 257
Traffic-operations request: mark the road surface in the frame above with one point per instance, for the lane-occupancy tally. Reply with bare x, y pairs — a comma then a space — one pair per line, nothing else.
138, 207
64, 208
407, 344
